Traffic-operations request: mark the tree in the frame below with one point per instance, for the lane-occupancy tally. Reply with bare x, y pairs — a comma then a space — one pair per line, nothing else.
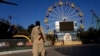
4, 27
21, 30
30, 28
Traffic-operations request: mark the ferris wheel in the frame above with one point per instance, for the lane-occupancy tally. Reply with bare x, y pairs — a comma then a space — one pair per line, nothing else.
63, 11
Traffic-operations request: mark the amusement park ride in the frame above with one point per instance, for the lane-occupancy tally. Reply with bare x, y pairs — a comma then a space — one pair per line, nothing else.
6, 2
63, 15
95, 20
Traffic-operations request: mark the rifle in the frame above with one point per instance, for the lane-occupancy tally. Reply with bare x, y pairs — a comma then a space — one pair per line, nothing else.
41, 35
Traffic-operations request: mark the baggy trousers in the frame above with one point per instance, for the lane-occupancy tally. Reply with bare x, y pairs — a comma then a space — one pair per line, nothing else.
38, 49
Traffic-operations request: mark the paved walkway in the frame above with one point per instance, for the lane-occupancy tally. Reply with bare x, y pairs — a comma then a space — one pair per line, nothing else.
78, 50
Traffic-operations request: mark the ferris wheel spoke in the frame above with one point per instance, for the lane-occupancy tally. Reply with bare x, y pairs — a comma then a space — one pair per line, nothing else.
52, 19
72, 12
53, 15
62, 10
55, 12
58, 10
68, 11
75, 19
74, 15
65, 11
50, 23
59, 19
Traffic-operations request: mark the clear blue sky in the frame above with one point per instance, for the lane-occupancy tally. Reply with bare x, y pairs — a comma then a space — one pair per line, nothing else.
28, 11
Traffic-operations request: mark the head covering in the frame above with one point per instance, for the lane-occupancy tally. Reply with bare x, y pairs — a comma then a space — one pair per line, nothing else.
37, 23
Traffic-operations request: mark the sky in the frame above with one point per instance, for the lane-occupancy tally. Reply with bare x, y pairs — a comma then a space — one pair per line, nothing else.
28, 11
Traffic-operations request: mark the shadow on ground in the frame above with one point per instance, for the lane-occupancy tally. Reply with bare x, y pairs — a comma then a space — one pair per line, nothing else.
80, 50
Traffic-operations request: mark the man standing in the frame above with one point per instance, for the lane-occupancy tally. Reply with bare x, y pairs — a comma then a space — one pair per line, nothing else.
38, 37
